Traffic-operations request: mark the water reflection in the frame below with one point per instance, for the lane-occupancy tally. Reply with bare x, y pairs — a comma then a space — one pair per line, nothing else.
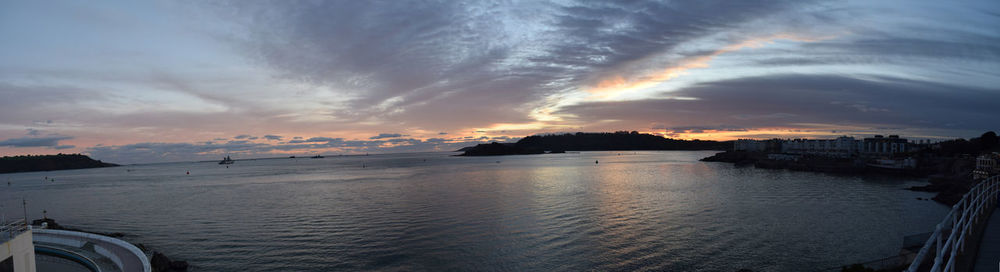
559, 212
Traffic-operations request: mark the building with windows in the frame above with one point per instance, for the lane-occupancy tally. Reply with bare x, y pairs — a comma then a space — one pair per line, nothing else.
843, 146
884, 145
840, 147
987, 165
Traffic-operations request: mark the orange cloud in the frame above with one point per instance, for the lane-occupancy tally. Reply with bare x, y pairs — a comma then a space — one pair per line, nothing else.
618, 84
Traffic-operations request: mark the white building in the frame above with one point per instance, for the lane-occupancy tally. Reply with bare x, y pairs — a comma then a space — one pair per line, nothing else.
884, 145
840, 147
843, 146
17, 253
987, 165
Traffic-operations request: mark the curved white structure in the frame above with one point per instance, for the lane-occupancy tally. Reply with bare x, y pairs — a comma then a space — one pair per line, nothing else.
123, 254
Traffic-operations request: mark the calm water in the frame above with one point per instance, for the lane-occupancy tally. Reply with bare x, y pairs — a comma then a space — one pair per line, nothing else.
430, 211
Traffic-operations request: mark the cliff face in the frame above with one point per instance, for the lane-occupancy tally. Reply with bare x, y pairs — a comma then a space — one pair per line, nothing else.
48, 163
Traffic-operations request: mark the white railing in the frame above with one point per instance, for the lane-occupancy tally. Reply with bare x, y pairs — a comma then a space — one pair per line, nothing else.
10, 230
974, 207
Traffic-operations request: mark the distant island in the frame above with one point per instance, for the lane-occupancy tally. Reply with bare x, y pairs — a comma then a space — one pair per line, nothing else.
30, 163
580, 141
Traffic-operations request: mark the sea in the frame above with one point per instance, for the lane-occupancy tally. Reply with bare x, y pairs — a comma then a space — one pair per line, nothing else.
579, 211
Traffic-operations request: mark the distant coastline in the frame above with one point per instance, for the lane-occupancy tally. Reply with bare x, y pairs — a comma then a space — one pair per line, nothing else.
33, 163
948, 165
580, 141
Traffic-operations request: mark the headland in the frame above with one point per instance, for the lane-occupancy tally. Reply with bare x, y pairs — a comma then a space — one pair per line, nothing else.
31, 163
580, 141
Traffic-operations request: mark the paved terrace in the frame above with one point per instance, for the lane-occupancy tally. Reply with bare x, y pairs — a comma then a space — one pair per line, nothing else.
988, 257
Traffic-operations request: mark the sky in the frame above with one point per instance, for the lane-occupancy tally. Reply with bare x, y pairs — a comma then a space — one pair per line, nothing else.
157, 81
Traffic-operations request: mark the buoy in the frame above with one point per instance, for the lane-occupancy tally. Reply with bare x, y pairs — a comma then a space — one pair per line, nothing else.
189, 172
595, 162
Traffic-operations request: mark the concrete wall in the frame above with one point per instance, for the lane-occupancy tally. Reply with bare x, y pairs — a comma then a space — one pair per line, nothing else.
23, 251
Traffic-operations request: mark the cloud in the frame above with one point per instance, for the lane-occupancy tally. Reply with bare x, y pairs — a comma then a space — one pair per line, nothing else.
316, 140
617, 84
678, 131
42, 123
419, 63
490, 69
27, 103
49, 141
504, 139
402, 140
164, 152
436, 140
386, 135
805, 101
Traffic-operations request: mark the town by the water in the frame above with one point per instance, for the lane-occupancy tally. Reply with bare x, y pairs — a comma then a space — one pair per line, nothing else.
953, 166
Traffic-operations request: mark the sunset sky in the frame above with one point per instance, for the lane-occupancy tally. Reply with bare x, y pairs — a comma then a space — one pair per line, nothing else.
154, 81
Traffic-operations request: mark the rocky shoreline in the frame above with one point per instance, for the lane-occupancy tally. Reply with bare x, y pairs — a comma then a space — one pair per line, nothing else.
806, 163
949, 177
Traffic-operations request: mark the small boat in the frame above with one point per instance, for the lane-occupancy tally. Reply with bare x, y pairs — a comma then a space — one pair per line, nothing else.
317, 157
227, 160
291, 157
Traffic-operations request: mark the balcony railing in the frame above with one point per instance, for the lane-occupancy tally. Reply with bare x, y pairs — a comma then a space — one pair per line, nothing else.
10, 230
950, 237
